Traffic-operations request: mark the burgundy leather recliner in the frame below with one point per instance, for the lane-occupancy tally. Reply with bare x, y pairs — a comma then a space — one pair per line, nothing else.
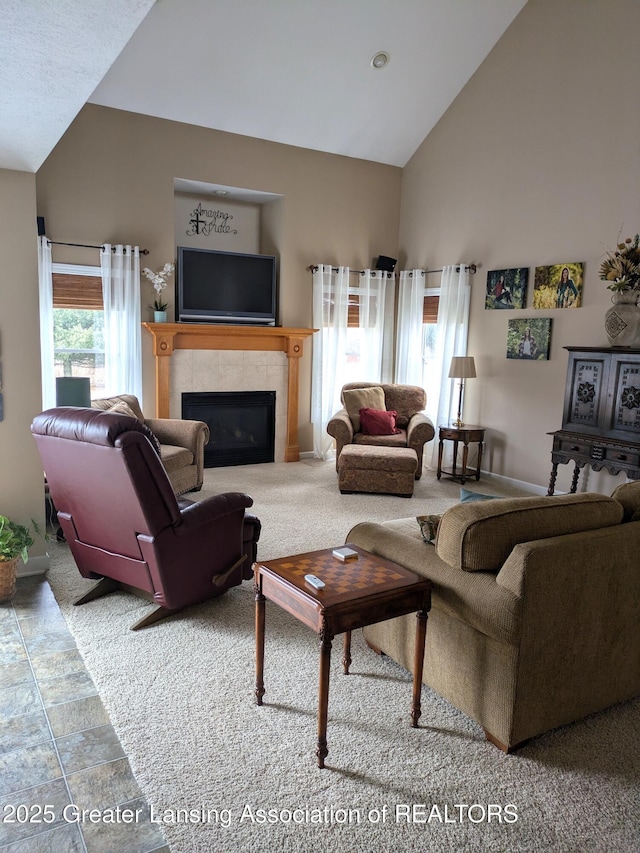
123, 522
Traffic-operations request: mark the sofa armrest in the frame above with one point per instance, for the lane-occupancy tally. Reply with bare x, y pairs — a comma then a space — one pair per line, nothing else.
579, 645
182, 433
341, 429
420, 430
471, 597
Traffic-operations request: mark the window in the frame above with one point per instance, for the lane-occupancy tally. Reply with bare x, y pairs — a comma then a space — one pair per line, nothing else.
429, 327
78, 324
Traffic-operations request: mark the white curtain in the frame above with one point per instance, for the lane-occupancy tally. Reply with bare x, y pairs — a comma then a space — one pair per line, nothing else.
330, 315
409, 364
388, 339
342, 354
451, 339
122, 338
45, 286
371, 313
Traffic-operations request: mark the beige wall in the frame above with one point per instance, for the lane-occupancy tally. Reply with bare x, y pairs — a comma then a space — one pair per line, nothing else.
111, 179
240, 224
21, 477
536, 162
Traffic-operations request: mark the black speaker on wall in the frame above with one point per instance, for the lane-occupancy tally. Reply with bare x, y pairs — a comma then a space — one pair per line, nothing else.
40, 223
385, 263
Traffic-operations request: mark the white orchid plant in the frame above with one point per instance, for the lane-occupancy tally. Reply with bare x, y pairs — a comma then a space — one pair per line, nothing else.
159, 281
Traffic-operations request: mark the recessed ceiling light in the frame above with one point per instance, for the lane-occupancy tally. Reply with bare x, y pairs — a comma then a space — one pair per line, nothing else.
222, 192
380, 59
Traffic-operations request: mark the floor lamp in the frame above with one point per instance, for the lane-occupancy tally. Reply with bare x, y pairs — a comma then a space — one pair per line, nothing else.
462, 367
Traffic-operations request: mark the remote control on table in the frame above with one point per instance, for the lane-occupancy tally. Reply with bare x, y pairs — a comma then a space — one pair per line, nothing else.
314, 581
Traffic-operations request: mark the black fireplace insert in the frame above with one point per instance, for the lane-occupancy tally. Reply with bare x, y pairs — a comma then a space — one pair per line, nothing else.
241, 423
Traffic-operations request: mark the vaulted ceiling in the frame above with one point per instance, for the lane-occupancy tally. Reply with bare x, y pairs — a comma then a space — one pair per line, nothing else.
292, 71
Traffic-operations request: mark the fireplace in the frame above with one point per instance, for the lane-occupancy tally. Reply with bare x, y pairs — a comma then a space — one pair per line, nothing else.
241, 423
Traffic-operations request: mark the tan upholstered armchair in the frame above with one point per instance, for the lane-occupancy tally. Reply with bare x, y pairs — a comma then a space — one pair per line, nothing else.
414, 427
181, 442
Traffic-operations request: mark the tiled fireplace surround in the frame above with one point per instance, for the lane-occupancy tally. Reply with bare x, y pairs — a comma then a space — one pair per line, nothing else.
237, 370
200, 358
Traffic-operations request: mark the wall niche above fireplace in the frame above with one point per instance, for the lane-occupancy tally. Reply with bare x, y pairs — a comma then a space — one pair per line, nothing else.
241, 425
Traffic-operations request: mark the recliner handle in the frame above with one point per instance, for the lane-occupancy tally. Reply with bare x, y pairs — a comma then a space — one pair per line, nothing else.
219, 580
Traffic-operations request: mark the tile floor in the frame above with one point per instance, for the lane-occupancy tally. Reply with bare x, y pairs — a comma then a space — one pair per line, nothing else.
57, 745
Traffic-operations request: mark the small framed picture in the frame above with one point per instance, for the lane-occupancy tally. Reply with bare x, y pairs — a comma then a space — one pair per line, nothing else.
529, 339
507, 288
558, 286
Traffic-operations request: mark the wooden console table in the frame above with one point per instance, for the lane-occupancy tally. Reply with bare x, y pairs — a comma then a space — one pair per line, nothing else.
168, 337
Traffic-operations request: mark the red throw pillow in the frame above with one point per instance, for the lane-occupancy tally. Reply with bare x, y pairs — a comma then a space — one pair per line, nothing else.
375, 422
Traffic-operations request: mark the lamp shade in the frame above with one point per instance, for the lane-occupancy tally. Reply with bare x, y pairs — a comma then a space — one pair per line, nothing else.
462, 367
73, 391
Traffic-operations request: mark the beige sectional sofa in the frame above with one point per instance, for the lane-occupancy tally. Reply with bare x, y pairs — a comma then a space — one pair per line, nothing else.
535, 618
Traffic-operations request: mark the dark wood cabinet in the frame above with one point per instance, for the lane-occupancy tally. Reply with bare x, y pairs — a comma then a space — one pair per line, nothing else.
601, 417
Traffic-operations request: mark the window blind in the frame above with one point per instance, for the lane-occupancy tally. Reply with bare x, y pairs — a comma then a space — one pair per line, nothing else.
77, 291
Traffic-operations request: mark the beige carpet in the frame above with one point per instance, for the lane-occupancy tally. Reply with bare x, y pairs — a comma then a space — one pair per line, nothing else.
180, 695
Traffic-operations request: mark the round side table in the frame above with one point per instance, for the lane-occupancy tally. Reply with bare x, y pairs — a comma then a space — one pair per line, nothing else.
465, 434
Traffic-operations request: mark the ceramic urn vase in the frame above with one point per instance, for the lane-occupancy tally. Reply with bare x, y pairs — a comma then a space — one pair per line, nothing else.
622, 320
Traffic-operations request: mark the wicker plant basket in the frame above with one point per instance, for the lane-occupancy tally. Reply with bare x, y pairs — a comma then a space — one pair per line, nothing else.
8, 572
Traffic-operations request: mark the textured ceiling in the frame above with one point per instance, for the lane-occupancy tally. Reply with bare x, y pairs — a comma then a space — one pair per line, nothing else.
291, 71
53, 53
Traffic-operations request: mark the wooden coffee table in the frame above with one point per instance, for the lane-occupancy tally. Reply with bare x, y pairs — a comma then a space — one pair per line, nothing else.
356, 593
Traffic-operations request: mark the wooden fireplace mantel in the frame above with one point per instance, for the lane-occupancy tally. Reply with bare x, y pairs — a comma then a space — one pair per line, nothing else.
168, 337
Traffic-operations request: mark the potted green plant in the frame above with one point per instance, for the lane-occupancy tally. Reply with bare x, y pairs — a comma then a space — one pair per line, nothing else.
15, 541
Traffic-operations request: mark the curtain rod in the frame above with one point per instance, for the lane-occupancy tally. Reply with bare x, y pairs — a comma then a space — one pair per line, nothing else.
314, 267
471, 267
87, 246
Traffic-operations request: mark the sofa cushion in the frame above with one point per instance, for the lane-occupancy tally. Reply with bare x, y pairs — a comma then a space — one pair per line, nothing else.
406, 400
123, 408
359, 398
628, 494
174, 458
375, 422
105, 403
479, 536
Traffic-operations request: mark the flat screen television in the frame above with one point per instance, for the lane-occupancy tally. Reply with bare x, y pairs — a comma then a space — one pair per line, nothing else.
225, 287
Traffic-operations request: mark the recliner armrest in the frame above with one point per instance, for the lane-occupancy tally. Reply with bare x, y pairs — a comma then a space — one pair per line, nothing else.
209, 510
182, 433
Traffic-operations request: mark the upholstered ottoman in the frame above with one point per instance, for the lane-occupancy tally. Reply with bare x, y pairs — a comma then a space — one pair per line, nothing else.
384, 470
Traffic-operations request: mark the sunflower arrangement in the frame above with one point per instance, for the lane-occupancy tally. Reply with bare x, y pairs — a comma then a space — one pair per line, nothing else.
622, 266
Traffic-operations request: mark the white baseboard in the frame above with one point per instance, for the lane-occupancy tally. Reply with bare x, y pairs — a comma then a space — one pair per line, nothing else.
34, 566
519, 484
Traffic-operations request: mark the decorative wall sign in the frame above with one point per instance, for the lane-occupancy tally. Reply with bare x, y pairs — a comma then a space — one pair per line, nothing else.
558, 286
207, 221
507, 288
529, 339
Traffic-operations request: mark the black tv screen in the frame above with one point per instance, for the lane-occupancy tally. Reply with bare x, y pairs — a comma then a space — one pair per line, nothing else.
225, 287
